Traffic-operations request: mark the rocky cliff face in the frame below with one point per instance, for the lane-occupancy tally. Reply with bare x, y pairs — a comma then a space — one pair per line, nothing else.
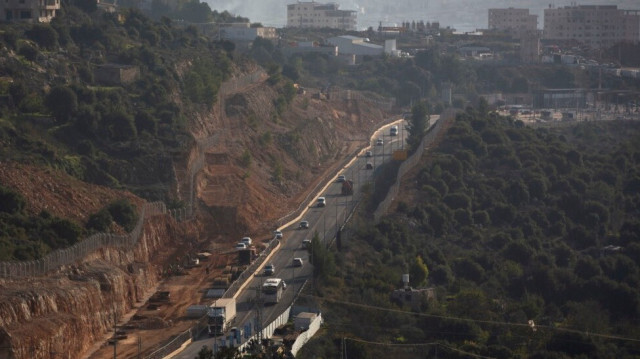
64, 315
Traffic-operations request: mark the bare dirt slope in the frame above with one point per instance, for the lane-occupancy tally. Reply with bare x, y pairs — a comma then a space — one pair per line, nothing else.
289, 153
46, 189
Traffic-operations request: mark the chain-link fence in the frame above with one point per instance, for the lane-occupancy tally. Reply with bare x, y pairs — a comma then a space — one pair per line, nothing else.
336, 93
411, 162
75, 253
241, 82
80, 250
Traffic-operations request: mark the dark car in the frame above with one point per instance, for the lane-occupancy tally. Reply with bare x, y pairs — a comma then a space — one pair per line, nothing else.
269, 269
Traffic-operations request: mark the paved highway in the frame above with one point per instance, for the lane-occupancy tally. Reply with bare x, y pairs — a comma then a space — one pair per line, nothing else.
323, 220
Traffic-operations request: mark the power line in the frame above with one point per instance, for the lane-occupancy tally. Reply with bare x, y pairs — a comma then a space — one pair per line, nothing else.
417, 345
493, 322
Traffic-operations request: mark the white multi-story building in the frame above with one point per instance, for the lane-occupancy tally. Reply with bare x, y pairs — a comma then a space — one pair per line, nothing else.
515, 21
29, 10
594, 25
317, 15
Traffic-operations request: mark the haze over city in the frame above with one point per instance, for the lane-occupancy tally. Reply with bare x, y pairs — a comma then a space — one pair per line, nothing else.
463, 15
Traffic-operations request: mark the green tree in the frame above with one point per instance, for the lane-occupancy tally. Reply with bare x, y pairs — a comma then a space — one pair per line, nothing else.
227, 353
100, 221
62, 102
322, 259
245, 160
146, 123
205, 353
11, 201
44, 35
123, 213
418, 125
418, 272
121, 126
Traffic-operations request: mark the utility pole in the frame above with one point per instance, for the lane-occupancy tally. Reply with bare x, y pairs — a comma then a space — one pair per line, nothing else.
115, 332
259, 307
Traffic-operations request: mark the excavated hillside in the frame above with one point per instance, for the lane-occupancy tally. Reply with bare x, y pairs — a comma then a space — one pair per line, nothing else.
289, 154
260, 163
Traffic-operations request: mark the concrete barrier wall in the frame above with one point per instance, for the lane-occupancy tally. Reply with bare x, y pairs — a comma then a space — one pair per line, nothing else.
411, 162
305, 336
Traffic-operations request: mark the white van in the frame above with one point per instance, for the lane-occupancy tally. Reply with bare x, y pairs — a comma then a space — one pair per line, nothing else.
321, 202
393, 131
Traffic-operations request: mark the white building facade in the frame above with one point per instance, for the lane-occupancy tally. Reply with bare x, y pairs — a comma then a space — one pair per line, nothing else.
515, 21
29, 10
353, 45
316, 15
595, 25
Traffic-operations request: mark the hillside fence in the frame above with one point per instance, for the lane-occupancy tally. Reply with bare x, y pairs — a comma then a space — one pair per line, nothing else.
336, 93
80, 250
412, 162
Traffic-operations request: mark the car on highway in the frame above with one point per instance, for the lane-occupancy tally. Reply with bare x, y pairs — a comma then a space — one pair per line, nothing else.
246, 240
341, 178
369, 166
269, 269
306, 243
321, 202
297, 262
304, 225
379, 142
278, 234
240, 246
368, 154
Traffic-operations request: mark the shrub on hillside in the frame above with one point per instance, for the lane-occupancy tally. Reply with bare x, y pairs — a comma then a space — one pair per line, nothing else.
100, 221
123, 213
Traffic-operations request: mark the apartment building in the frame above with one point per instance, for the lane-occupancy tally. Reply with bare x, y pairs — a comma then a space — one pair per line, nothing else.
316, 15
595, 25
515, 21
29, 10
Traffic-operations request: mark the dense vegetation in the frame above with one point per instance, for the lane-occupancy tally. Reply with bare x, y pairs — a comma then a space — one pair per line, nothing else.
531, 242
24, 236
121, 134
56, 111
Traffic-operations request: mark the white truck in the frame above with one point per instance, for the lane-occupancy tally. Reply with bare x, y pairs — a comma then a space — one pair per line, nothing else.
221, 314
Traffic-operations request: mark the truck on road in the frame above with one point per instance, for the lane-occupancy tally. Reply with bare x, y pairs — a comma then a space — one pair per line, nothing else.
220, 316
347, 188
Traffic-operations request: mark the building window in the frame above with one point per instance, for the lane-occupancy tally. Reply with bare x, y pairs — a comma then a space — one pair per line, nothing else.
25, 14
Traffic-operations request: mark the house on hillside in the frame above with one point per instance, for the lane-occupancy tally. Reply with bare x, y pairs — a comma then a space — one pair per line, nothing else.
116, 74
29, 10
354, 47
413, 297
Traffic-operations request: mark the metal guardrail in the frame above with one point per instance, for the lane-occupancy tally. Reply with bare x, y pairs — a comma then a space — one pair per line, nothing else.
172, 346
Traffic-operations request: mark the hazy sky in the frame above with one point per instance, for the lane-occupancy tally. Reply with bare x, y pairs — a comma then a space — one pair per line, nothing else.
464, 15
